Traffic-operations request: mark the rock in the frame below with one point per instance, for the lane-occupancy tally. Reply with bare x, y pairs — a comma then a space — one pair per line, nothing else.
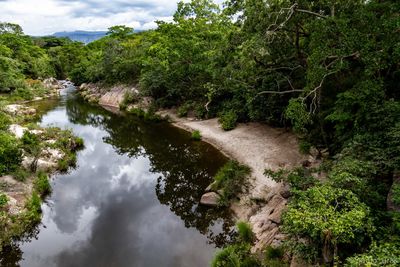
17, 130
45, 165
210, 199
19, 110
36, 132
285, 191
53, 154
13, 109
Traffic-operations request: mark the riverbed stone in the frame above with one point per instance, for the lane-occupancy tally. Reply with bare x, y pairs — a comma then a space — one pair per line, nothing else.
210, 199
17, 130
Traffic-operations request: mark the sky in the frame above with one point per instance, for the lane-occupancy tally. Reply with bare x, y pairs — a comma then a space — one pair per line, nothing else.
43, 17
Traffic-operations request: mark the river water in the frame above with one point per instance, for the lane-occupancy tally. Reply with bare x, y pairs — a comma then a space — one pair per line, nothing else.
132, 199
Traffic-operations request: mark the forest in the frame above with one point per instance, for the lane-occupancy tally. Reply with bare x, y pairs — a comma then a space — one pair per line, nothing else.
328, 70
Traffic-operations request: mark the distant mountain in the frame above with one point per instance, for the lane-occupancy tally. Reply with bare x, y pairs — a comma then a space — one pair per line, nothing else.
82, 36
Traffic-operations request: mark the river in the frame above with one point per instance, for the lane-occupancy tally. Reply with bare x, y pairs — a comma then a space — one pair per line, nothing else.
132, 199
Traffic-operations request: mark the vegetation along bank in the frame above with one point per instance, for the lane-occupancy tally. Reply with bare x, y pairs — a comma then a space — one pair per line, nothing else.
327, 71
29, 154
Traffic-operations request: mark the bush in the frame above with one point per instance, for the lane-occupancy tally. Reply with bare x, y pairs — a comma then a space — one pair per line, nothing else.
3, 200
129, 98
274, 253
231, 179
238, 255
33, 207
304, 147
298, 178
42, 184
10, 154
245, 232
196, 135
4, 121
184, 109
21, 174
228, 120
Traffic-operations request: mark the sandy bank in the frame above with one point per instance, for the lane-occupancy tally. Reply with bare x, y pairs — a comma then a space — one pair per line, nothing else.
260, 147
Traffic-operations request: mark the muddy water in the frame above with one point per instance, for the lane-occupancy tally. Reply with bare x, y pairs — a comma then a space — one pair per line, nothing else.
132, 199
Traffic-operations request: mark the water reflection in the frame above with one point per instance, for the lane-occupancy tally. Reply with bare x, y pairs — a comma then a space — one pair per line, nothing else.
107, 212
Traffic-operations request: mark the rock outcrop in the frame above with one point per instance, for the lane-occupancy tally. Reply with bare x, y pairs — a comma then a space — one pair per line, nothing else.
210, 199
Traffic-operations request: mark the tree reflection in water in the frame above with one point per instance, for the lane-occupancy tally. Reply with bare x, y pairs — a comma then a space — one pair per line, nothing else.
187, 167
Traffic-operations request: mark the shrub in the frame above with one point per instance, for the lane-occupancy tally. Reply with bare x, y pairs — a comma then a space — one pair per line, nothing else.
228, 120
4, 121
297, 178
237, 255
129, 98
33, 207
200, 111
245, 232
3, 200
196, 135
231, 179
184, 109
274, 252
304, 147
10, 154
42, 184
21, 175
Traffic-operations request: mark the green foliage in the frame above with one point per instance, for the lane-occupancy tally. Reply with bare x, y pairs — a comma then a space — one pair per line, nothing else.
4, 121
238, 255
184, 109
296, 112
274, 252
10, 154
245, 233
231, 179
305, 147
387, 254
299, 178
196, 135
328, 216
33, 210
228, 120
42, 184
396, 194
3, 200
129, 98
21, 174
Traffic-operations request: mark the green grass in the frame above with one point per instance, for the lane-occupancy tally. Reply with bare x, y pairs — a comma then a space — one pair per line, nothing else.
42, 184
231, 179
245, 232
196, 135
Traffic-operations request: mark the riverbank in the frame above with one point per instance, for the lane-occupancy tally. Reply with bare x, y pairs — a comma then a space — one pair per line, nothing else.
30, 155
256, 145
260, 147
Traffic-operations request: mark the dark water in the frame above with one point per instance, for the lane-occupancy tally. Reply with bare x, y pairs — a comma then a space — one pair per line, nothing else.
131, 201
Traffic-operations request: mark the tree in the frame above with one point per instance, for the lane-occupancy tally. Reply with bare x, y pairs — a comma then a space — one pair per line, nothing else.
119, 32
327, 216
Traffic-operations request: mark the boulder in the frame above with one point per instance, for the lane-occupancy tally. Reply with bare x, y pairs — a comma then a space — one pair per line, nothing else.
17, 130
210, 199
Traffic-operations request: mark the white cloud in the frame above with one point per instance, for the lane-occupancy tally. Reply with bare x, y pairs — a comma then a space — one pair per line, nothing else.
48, 16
